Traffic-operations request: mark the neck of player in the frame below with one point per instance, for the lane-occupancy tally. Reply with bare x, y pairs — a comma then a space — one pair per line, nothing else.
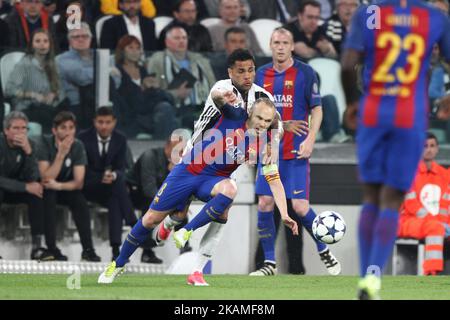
281, 66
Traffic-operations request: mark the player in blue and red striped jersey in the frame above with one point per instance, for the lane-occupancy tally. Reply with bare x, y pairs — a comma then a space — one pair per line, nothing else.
396, 42
294, 86
205, 172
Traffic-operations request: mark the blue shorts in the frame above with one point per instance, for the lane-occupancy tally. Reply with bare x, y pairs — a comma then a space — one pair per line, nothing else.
389, 156
180, 185
294, 175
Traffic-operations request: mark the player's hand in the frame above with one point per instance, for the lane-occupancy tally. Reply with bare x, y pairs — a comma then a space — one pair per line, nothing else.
108, 177
291, 224
21, 140
444, 108
65, 145
298, 127
351, 116
52, 184
221, 97
306, 148
35, 188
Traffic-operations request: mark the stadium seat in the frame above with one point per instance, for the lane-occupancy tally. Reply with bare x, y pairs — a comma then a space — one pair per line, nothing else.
7, 63
160, 23
99, 26
420, 254
263, 28
329, 71
207, 22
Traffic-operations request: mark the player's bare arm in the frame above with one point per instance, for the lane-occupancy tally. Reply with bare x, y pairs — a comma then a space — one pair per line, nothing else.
349, 60
273, 179
306, 147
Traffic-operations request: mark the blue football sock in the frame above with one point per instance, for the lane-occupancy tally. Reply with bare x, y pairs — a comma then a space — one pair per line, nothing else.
367, 221
134, 239
212, 210
307, 222
384, 235
267, 234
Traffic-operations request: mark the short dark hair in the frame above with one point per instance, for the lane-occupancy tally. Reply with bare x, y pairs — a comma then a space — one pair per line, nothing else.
233, 30
176, 7
62, 117
431, 135
303, 4
104, 111
239, 55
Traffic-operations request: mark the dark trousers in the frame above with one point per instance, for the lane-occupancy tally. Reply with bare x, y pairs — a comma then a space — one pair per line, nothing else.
294, 243
77, 204
35, 208
116, 198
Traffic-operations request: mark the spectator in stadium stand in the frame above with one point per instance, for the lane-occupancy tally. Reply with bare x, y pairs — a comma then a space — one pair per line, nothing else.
34, 86
26, 17
310, 39
76, 68
424, 213
229, 15
104, 183
337, 25
185, 15
130, 22
165, 8
19, 178
62, 166
213, 7
146, 107
235, 38
280, 10
112, 7
169, 63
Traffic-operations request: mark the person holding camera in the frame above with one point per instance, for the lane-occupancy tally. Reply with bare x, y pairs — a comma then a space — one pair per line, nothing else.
105, 183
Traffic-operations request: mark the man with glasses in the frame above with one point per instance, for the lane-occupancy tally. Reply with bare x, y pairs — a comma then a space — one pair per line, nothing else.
130, 22
185, 15
310, 40
26, 17
76, 68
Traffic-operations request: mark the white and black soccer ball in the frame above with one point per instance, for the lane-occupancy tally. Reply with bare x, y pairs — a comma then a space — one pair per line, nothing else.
329, 227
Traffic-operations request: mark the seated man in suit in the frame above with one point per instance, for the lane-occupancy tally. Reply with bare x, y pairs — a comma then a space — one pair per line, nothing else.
106, 150
130, 22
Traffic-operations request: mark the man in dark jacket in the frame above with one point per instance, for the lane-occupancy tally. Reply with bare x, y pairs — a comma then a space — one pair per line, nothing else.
24, 19
130, 22
185, 15
104, 183
19, 178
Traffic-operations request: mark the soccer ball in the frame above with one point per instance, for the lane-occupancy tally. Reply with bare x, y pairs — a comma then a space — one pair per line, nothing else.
329, 227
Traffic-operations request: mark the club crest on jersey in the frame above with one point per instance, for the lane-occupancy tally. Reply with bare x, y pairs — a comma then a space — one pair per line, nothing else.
289, 84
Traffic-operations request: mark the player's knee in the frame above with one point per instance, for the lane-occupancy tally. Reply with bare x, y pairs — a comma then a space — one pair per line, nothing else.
266, 204
301, 208
150, 219
229, 189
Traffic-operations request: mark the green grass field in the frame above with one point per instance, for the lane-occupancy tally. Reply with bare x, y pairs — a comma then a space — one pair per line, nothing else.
162, 287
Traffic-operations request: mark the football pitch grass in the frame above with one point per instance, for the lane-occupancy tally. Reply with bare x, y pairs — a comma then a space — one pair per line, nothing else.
222, 287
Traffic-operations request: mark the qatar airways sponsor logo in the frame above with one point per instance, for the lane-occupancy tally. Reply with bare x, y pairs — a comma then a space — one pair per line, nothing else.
235, 146
283, 101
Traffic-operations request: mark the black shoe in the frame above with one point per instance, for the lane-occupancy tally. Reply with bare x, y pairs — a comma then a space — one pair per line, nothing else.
90, 255
186, 248
42, 254
58, 254
148, 256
